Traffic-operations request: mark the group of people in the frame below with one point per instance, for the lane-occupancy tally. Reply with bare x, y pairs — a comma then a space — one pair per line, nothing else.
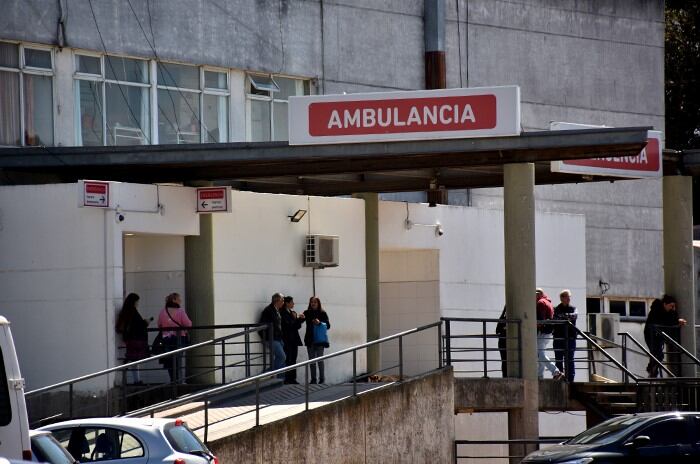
284, 340
173, 323
553, 322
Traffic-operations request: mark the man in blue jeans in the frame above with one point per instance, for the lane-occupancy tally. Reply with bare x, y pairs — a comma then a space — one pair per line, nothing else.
271, 315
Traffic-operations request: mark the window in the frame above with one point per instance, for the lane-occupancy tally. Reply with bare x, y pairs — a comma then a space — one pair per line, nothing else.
193, 104
667, 433
592, 305
638, 308
267, 105
627, 308
618, 306
95, 443
112, 100
26, 95
5, 401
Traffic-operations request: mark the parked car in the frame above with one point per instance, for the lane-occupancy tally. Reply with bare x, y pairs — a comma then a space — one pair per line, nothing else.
672, 437
45, 448
132, 440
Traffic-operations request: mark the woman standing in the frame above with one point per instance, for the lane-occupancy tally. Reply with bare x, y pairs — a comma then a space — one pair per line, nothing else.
132, 328
173, 316
314, 316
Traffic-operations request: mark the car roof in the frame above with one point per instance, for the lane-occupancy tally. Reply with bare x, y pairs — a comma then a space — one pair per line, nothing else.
135, 423
666, 414
34, 433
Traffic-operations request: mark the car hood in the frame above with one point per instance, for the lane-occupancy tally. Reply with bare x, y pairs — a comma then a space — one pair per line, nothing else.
557, 452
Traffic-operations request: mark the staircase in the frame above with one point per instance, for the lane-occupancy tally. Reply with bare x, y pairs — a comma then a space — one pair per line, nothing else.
605, 400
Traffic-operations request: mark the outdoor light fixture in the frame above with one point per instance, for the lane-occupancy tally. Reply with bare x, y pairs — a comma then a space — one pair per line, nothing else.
296, 217
439, 231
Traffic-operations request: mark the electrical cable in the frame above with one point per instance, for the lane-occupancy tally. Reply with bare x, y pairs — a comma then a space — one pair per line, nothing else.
279, 17
121, 91
459, 44
158, 61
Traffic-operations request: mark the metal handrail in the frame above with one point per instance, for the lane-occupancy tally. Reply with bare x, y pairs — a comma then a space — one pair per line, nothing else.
627, 335
249, 328
617, 363
207, 394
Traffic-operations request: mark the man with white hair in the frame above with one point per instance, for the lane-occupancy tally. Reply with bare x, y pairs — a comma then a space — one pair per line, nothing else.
565, 335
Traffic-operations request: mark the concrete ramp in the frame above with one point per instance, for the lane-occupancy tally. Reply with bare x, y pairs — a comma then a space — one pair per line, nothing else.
409, 421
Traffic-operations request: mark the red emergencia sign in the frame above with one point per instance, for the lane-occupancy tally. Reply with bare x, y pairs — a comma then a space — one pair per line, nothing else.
414, 115
95, 194
647, 163
214, 200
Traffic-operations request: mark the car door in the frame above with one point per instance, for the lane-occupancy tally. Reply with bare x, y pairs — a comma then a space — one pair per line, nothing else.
669, 441
102, 444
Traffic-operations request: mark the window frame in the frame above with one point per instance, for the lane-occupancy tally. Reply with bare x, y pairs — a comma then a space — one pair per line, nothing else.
249, 81
215, 92
627, 299
103, 80
23, 69
95, 428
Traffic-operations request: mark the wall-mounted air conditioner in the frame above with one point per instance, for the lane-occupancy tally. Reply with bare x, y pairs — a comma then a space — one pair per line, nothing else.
321, 251
605, 326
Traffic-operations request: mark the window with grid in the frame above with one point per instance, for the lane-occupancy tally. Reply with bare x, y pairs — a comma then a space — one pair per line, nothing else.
26, 95
112, 100
267, 98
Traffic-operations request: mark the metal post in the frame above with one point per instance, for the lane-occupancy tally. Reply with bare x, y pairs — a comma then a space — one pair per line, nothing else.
270, 335
306, 386
223, 362
257, 402
520, 350
448, 344
625, 378
439, 334
124, 408
401, 358
354, 373
247, 352
206, 420
483, 337
264, 356
70, 401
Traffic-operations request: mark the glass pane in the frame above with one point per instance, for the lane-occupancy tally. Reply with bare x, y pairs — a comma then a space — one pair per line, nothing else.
262, 85
9, 108
47, 449
130, 446
638, 309
177, 75
125, 69
178, 117
667, 433
215, 119
288, 87
259, 121
37, 58
128, 114
619, 307
38, 110
215, 80
280, 121
9, 55
88, 64
592, 305
89, 104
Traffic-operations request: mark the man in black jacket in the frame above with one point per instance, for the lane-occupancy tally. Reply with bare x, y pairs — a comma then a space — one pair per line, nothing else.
663, 317
271, 315
291, 323
565, 335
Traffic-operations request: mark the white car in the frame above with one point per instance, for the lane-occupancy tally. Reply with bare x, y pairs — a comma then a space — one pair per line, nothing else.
132, 440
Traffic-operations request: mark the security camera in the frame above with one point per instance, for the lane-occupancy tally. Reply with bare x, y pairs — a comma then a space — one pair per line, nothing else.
119, 217
439, 230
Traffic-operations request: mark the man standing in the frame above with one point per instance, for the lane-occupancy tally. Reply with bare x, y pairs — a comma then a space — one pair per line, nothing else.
545, 312
291, 323
271, 315
564, 335
662, 317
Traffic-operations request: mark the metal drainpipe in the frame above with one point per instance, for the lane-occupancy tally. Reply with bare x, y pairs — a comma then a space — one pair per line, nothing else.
434, 34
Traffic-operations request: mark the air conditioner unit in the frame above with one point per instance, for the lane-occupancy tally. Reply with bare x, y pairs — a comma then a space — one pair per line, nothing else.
604, 325
321, 251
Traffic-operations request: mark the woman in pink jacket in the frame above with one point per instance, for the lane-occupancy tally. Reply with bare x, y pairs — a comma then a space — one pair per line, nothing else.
173, 322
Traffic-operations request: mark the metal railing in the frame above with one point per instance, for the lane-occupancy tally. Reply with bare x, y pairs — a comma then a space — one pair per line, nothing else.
217, 360
209, 398
507, 457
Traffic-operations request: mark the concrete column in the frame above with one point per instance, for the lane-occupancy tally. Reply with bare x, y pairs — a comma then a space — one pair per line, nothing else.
372, 275
199, 290
519, 238
679, 275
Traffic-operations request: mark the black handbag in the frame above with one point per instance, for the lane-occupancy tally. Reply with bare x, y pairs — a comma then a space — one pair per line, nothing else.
158, 346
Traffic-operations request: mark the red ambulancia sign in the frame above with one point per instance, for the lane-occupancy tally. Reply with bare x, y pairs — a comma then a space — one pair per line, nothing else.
213, 199
394, 116
648, 163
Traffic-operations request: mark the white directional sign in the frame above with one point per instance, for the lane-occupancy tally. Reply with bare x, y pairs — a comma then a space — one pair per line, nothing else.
94, 194
214, 200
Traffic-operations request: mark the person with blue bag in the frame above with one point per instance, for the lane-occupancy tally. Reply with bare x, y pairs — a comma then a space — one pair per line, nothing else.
316, 338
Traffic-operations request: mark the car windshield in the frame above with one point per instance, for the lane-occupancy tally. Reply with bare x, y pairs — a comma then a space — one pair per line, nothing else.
47, 449
183, 440
608, 431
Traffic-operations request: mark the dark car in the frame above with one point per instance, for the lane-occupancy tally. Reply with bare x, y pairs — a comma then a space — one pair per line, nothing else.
672, 437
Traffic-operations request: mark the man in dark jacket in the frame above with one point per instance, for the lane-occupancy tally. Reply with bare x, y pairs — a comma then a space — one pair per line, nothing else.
291, 323
662, 317
271, 315
564, 335
545, 312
